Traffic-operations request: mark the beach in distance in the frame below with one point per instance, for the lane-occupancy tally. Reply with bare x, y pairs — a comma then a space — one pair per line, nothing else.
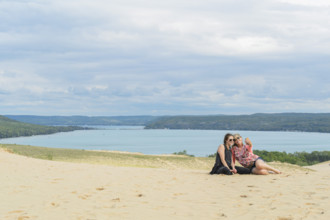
117, 185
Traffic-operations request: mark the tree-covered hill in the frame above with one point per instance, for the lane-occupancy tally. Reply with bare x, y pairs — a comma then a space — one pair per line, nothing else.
12, 128
307, 122
83, 120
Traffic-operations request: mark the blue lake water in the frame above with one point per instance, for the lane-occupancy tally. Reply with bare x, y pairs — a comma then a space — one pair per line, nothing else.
196, 142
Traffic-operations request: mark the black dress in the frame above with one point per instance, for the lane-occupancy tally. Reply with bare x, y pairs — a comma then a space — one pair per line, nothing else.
219, 168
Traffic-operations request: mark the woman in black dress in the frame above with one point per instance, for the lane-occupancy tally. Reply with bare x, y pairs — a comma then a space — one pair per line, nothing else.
224, 159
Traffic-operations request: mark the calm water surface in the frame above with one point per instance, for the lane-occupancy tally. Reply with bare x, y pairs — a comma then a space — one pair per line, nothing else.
196, 142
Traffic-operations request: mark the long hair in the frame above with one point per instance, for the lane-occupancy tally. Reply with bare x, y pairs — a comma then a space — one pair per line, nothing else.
226, 138
235, 137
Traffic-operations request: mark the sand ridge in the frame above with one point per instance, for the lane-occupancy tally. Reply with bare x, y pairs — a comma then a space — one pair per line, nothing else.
40, 189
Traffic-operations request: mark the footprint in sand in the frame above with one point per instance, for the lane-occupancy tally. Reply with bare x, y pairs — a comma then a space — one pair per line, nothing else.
84, 197
284, 218
116, 200
56, 180
100, 188
55, 204
223, 215
15, 211
23, 217
178, 194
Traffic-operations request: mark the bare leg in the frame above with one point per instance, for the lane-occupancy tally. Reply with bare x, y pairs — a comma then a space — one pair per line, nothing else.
259, 171
260, 165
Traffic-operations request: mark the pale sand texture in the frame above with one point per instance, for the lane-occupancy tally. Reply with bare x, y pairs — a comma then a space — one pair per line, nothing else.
40, 189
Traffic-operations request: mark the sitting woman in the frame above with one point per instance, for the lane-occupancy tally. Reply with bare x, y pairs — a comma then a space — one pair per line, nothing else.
244, 155
224, 159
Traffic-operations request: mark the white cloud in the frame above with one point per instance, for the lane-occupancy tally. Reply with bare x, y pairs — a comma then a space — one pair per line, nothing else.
318, 3
163, 57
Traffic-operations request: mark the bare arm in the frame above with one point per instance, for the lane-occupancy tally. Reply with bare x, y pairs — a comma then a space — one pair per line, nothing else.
249, 144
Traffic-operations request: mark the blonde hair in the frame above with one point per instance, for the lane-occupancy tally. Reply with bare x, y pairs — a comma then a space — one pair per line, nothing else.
237, 136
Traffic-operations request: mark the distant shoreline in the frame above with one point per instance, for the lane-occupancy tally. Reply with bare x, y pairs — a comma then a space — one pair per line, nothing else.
295, 122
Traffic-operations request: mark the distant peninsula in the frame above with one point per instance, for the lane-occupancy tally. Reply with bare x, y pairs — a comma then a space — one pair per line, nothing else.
84, 120
305, 122
11, 128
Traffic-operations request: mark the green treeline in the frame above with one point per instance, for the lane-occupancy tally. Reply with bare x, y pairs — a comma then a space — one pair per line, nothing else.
83, 120
11, 128
307, 122
298, 158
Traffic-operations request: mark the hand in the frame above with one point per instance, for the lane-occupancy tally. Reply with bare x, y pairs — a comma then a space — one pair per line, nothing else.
248, 142
233, 170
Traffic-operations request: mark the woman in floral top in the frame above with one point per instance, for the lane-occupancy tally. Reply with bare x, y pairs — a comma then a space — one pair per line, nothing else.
244, 155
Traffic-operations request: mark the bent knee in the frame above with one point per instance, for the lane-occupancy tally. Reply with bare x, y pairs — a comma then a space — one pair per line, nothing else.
260, 163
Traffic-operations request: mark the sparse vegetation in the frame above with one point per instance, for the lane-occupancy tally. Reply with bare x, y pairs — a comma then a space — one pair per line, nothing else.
111, 158
176, 161
184, 152
298, 158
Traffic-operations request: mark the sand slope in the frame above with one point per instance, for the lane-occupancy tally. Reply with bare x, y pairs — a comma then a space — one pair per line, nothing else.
40, 189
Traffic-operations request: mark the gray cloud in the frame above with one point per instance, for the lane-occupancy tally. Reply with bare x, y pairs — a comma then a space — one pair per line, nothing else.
150, 57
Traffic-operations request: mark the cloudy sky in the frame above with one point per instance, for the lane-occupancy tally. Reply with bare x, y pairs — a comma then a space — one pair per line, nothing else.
152, 57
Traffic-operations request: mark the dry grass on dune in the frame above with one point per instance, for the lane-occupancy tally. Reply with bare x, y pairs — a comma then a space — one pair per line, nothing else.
123, 159
127, 159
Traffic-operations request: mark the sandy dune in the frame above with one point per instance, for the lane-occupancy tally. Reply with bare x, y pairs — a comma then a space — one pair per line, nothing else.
40, 189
